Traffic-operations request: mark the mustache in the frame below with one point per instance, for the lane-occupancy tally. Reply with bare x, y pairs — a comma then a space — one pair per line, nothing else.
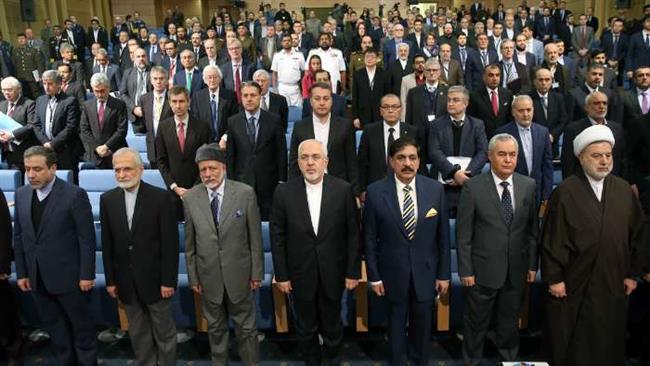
407, 170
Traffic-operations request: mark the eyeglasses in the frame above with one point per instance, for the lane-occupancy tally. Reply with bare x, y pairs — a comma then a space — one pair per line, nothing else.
432, 70
393, 107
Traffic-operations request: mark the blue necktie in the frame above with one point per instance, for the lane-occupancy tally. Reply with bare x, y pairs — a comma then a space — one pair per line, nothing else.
214, 206
215, 122
251, 130
506, 204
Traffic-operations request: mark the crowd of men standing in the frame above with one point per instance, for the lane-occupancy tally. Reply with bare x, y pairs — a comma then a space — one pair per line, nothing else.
438, 95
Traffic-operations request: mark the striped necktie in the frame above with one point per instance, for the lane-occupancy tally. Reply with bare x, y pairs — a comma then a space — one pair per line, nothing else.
408, 213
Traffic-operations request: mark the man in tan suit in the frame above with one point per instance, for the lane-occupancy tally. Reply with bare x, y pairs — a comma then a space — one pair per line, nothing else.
451, 73
223, 250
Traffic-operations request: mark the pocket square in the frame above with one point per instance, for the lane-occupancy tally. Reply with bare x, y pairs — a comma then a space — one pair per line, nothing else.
238, 214
431, 213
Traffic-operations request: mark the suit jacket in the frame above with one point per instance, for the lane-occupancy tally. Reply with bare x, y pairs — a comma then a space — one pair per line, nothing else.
593, 23
102, 37
390, 51
65, 128
373, 152
205, 61
474, 67
489, 249
542, 29
542, 159
556, 118
414, 41
157, 55
638, 53
55, 44
6, 249
631, 106
394, 259
315, 260
559, 19
115, 33
263, 50
441, 145
129, 89
226, 107
114, 75
76, 70
122, 57
240, 257
480, 106
178, 166
366, 99
262, 165
576, 104
25, 114
408, 83
146, 101
520, 24
278, 105
113, 133
570, 163
417, 115
454, 75
197, 80
397, 73
77, 90
579, 41
522, 84
62, 249
149, 248
562, 77
166, 63
339, 104
618, 52
638, 132
341, 150
228, 80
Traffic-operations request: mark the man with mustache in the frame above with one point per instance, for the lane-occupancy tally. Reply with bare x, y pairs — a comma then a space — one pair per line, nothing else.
591, 252
141, 257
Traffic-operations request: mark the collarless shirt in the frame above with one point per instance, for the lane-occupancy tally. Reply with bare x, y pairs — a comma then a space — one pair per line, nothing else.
596, 186
130, 198
322, 129
314, 199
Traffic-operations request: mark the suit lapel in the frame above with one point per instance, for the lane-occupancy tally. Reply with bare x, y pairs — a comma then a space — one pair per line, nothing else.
332, 132
189, 138
390, 195
301, 200
140, 201
423, 199
519, 196
493, 194
227, 206
464, 134
326, 198
51, 202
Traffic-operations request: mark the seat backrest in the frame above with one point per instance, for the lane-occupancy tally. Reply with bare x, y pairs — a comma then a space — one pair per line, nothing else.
10, 180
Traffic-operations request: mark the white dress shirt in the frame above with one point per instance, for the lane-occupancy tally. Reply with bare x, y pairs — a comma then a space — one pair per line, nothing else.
497, 182
596, 186
387, 133
322, 130
314, 199
219, 191
156, 116
400, 197
129, 203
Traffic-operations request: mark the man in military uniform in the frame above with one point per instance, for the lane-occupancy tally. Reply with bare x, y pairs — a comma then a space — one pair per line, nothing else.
356, 59
55, 43
26, 60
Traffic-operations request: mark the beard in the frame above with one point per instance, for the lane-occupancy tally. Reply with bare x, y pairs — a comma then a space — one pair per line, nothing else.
593, 172
129, 184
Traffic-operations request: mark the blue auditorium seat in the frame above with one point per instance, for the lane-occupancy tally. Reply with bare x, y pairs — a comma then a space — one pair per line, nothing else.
10, 180
295, 114
65, 175
137, 142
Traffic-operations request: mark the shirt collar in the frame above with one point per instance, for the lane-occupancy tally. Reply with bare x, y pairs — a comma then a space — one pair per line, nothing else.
256, 115
638, 91
184, 120
593, 121
498, 180
163, 94
219, 190
400, 185
45, 191
133, 193
311, 186
522, 128
315, 118
387, 126
496, 90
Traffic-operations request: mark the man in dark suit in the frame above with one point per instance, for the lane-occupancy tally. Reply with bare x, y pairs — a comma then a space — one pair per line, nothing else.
272, 102
596, 106
562, 81
71, 87
376, 140
197, 48
116, 29
549, 107
497, 250
535, 155
121, 55
256, 148
135, 83
615, 45
67, 58
545, 27
56, 123
155, 109
22, 110
103, 124
212, 47
392, 47
492, 103
11, 334
339, 103
593, 80
335, 132
237, 69
638, 52
97, 34
54, 247
190, 73
561, 14
55, 42
426, 102
214, 104
140, 232
476, 62
370, 84
406, 241
111, 70
171, 61
154, 50
417, 37
515, 76
315, 245
399, 68
636, 102
456, 146
177, 140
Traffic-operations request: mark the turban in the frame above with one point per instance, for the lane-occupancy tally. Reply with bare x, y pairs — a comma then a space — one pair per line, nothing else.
596, 133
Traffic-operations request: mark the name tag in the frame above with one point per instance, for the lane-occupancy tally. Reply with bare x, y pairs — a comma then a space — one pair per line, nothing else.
555, 85
431, 117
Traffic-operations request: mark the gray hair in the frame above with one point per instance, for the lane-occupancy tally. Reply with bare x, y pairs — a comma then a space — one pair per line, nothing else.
129, 150
591, 95
11, 82
102, 51
404, 45
237, 43
52, 75
520, 98
323, 148
459, 89
99, 79
212, 68
65, 46
432, 62
500, 138
190, 52
261, 72
159, 70
506, 42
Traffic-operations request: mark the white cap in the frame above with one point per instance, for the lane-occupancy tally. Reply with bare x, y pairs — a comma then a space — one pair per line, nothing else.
596, 133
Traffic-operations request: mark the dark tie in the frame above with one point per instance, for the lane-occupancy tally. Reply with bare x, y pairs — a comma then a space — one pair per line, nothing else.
213, 108
506, 203
391, 139
458, 124
251, 130
408, 213
214, 206
647, 39
614, 50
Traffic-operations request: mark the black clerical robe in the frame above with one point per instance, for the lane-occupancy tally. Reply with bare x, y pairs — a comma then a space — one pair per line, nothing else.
592, 247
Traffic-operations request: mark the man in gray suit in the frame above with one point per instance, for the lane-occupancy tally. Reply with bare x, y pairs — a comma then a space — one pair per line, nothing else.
583, 36
14, 143
223, 250
497, 252
135, 83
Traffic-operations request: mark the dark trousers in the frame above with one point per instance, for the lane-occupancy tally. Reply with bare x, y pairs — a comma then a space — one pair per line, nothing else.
414, 342
479, 307
320, 315
67, 319
11, 338
153, 332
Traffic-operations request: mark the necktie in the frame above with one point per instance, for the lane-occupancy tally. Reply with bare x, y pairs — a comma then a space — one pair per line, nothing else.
188, 81
214, 112
10, 111
647, 39
408, 213
495, 103
151, 53
463, 57
237, 83
100, 115
509, 76
458, 124
391, 139
214, 206
158, 105
545, 106
614, 50
65, 86
250, 126
181, 136
545, 22
584, 37
484, 58
506, 203
644, 103
263, 104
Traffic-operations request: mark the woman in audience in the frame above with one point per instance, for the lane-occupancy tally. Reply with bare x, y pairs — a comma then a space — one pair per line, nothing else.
308, 80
